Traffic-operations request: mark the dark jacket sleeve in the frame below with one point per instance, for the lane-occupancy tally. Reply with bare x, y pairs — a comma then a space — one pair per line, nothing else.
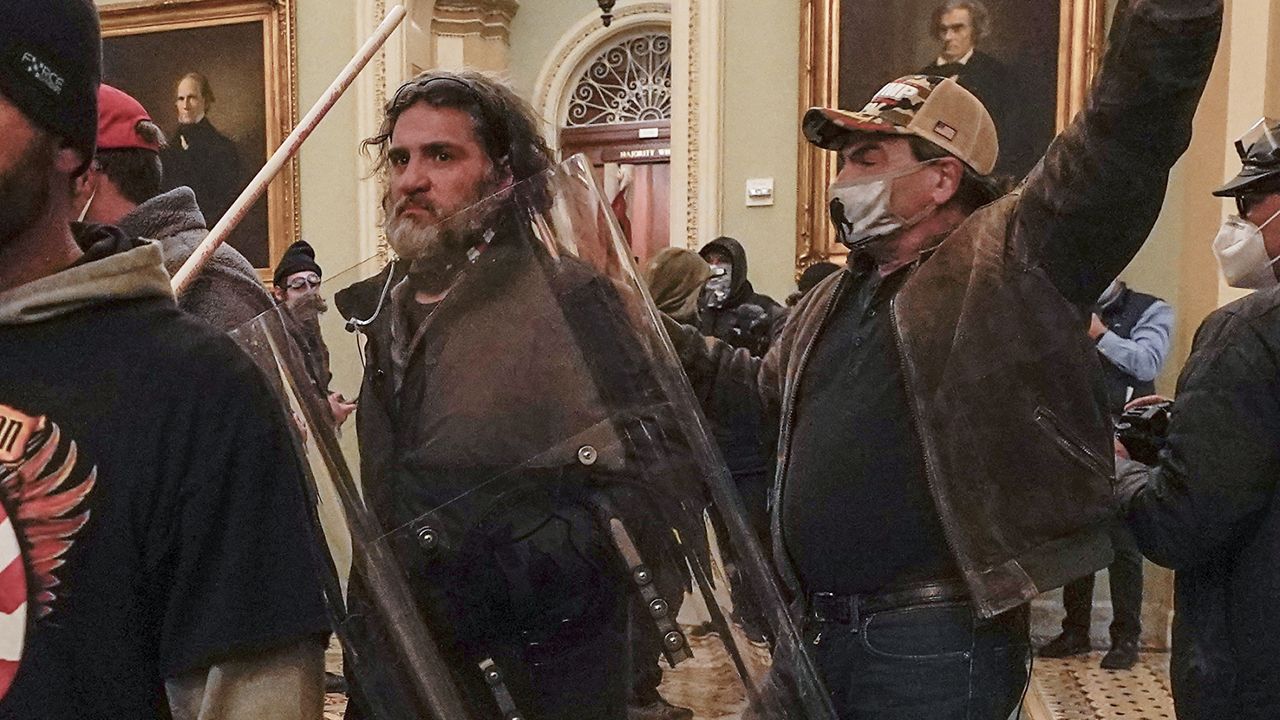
1219, 473
716, 369
1087, 208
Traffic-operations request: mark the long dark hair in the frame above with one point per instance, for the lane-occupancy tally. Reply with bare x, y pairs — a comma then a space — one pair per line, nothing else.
504, 123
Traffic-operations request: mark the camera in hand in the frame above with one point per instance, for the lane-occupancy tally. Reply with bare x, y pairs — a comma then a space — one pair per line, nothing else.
1144, 431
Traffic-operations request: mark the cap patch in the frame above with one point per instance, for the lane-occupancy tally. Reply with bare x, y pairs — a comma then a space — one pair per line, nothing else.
945, 130
896, 96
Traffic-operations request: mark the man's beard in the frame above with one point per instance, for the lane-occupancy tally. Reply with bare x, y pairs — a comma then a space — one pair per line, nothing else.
24, 189
437, 249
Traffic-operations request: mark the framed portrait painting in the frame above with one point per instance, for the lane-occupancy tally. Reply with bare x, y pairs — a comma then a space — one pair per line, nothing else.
218, 77
1029, 61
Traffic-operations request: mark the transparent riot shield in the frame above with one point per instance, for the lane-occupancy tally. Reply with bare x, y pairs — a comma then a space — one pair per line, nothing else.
525, 517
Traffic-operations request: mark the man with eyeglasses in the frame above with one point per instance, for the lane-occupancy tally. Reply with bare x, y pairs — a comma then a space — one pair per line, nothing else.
297, 275
1208, 509
296, 288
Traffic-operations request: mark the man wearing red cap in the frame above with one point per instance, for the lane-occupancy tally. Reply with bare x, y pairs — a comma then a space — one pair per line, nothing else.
122, 188
944, 455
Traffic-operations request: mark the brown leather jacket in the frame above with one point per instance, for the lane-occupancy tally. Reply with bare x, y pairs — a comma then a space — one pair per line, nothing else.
991, 327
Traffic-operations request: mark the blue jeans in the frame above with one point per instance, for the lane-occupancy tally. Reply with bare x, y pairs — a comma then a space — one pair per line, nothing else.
939, 661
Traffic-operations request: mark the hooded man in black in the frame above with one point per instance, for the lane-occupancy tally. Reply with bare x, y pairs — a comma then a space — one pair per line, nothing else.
730, 308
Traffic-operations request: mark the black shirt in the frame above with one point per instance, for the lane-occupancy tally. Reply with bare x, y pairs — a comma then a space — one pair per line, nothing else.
857, 516
195, 546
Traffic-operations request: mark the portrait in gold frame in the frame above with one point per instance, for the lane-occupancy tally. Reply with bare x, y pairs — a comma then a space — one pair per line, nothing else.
1081, 39
247, 49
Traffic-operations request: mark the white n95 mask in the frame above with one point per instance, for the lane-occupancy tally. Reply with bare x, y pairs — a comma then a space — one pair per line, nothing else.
1242, 254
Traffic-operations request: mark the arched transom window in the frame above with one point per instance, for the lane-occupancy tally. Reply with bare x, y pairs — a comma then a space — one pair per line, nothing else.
630, 81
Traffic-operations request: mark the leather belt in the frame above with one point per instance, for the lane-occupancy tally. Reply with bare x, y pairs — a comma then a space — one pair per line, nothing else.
849, 609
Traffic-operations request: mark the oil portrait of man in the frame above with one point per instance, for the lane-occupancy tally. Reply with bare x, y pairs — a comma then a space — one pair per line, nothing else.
199, 156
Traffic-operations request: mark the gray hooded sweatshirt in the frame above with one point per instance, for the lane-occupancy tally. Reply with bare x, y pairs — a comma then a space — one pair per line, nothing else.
227, 293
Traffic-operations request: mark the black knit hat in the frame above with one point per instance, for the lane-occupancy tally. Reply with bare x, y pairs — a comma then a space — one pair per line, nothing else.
50, 67
300, 257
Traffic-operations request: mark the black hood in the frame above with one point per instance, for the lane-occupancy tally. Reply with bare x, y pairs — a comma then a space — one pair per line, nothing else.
741, 287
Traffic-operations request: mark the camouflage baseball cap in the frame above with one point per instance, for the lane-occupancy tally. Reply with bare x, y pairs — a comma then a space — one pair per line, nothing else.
934, 108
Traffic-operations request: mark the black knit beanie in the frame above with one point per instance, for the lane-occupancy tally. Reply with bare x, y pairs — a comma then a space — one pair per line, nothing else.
50, 67
299, 257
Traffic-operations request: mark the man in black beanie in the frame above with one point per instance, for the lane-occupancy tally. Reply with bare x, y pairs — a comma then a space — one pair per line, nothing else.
154, 556
298, 273
296, 288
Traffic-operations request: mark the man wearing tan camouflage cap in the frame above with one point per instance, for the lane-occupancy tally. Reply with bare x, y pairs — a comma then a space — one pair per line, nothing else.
944, 456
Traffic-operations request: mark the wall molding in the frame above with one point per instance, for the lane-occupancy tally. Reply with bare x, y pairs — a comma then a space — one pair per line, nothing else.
577, 46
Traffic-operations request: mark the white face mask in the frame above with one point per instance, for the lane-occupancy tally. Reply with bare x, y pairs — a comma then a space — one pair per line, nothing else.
1242, 254
719, 285
860, 208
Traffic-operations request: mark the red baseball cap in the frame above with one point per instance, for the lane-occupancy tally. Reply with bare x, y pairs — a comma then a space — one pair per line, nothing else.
118, 118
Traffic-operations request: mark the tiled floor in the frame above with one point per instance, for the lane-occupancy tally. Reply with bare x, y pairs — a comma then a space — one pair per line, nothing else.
335, 704
707, 683
1070, 689
1077, 689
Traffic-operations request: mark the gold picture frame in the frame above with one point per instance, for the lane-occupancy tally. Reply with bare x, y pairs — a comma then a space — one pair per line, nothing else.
174, 34
1081, 39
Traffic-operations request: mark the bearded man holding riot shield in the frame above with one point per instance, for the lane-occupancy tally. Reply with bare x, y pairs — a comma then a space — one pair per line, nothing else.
437, 434
536, 494
490, 449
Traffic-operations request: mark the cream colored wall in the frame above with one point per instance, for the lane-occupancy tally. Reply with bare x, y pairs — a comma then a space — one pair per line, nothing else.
332, 170
535, 31
760, 131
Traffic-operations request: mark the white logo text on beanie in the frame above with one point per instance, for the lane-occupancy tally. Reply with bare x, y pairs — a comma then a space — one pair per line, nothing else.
42, 73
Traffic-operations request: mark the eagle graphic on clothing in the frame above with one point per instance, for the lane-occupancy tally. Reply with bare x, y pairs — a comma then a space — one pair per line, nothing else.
41, 495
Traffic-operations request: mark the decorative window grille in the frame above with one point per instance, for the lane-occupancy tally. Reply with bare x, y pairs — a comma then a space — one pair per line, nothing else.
627, 82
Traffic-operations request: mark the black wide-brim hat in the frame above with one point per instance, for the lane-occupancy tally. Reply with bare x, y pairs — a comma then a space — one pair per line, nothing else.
1250, 177
1259, 151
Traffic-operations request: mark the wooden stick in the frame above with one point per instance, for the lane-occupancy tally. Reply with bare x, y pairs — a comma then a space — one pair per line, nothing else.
284, 153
